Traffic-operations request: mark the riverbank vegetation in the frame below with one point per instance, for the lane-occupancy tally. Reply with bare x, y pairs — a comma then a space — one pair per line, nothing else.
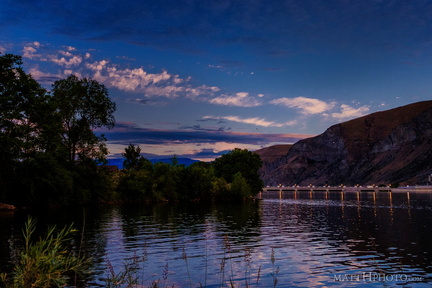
232, 177
52, 156
47, 262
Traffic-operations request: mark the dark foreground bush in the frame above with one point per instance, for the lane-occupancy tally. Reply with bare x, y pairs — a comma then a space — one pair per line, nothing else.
48, 262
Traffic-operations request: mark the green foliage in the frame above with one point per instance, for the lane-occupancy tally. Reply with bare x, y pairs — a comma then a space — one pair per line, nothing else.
92, 183
136, 186
220, 189
166, 180
240, 189
198, 182
44, 182
221, 180
243, 161
127, 277
47, 262
21, 101
134, 160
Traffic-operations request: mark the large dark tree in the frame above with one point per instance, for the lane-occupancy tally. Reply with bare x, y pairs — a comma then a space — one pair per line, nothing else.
42, 133
21, 124
240, 161
83, 105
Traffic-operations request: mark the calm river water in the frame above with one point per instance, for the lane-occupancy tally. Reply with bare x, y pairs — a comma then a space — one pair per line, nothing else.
288, 240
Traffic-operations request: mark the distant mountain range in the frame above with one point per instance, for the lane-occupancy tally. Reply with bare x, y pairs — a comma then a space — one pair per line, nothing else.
182, 161
393, 146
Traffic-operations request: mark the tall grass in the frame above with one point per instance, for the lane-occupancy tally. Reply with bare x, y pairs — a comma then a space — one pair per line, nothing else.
128, 276
48, 262
275, 269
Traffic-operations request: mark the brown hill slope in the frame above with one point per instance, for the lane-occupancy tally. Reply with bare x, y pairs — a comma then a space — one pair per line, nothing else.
272, 153
393, 146
270, 157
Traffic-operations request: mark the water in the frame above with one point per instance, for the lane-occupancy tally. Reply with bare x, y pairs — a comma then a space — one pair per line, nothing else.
297, 240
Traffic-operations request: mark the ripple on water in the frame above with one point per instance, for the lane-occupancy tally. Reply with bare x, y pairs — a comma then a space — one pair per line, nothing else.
301, 242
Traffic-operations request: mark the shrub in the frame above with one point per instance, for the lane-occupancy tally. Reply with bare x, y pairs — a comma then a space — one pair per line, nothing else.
47, 262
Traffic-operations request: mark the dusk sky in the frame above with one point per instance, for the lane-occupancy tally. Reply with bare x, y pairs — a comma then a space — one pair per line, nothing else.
199, 78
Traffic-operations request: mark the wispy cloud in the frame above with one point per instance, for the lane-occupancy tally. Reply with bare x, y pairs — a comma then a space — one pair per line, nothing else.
253, 121
196, 142
332, 110
128, 132
305, 105
348, 112
242, 99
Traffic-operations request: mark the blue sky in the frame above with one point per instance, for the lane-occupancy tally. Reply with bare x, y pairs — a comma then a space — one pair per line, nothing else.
198, 78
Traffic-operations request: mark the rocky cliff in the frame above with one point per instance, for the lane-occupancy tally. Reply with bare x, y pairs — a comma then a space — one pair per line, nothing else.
388, 147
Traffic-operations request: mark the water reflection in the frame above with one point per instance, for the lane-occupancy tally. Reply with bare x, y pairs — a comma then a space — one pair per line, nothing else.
318, 239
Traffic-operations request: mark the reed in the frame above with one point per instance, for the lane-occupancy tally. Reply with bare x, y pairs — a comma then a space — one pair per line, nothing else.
248, 265
275, 269
48, 262
184, 256
126, 278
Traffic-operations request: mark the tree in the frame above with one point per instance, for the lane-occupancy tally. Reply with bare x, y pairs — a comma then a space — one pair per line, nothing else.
42, 133
198, 182
136, 181
22, 102
83, 105
240, 189
243, 161
134, 160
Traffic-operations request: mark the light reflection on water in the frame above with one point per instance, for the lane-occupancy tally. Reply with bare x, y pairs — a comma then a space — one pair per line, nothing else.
317, 240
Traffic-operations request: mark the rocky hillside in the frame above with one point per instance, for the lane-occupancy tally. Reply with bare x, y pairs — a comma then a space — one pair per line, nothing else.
393, 146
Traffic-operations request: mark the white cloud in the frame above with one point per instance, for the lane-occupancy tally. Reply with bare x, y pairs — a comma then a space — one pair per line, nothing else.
239, 99
350, 112
254, 121
136, 80
29, 52
62, 58
64, 61
305, 105
98, 65
70, 48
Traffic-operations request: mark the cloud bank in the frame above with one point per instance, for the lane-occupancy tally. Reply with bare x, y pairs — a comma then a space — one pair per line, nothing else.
194, 143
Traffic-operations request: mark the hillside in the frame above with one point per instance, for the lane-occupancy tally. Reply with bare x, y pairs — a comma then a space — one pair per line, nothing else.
270, 157
272, 153
393, 146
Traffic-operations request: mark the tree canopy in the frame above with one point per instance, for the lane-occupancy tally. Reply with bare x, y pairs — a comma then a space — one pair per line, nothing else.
82, 106
240, 161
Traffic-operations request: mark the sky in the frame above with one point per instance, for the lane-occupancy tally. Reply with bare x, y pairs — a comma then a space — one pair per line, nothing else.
197, 78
